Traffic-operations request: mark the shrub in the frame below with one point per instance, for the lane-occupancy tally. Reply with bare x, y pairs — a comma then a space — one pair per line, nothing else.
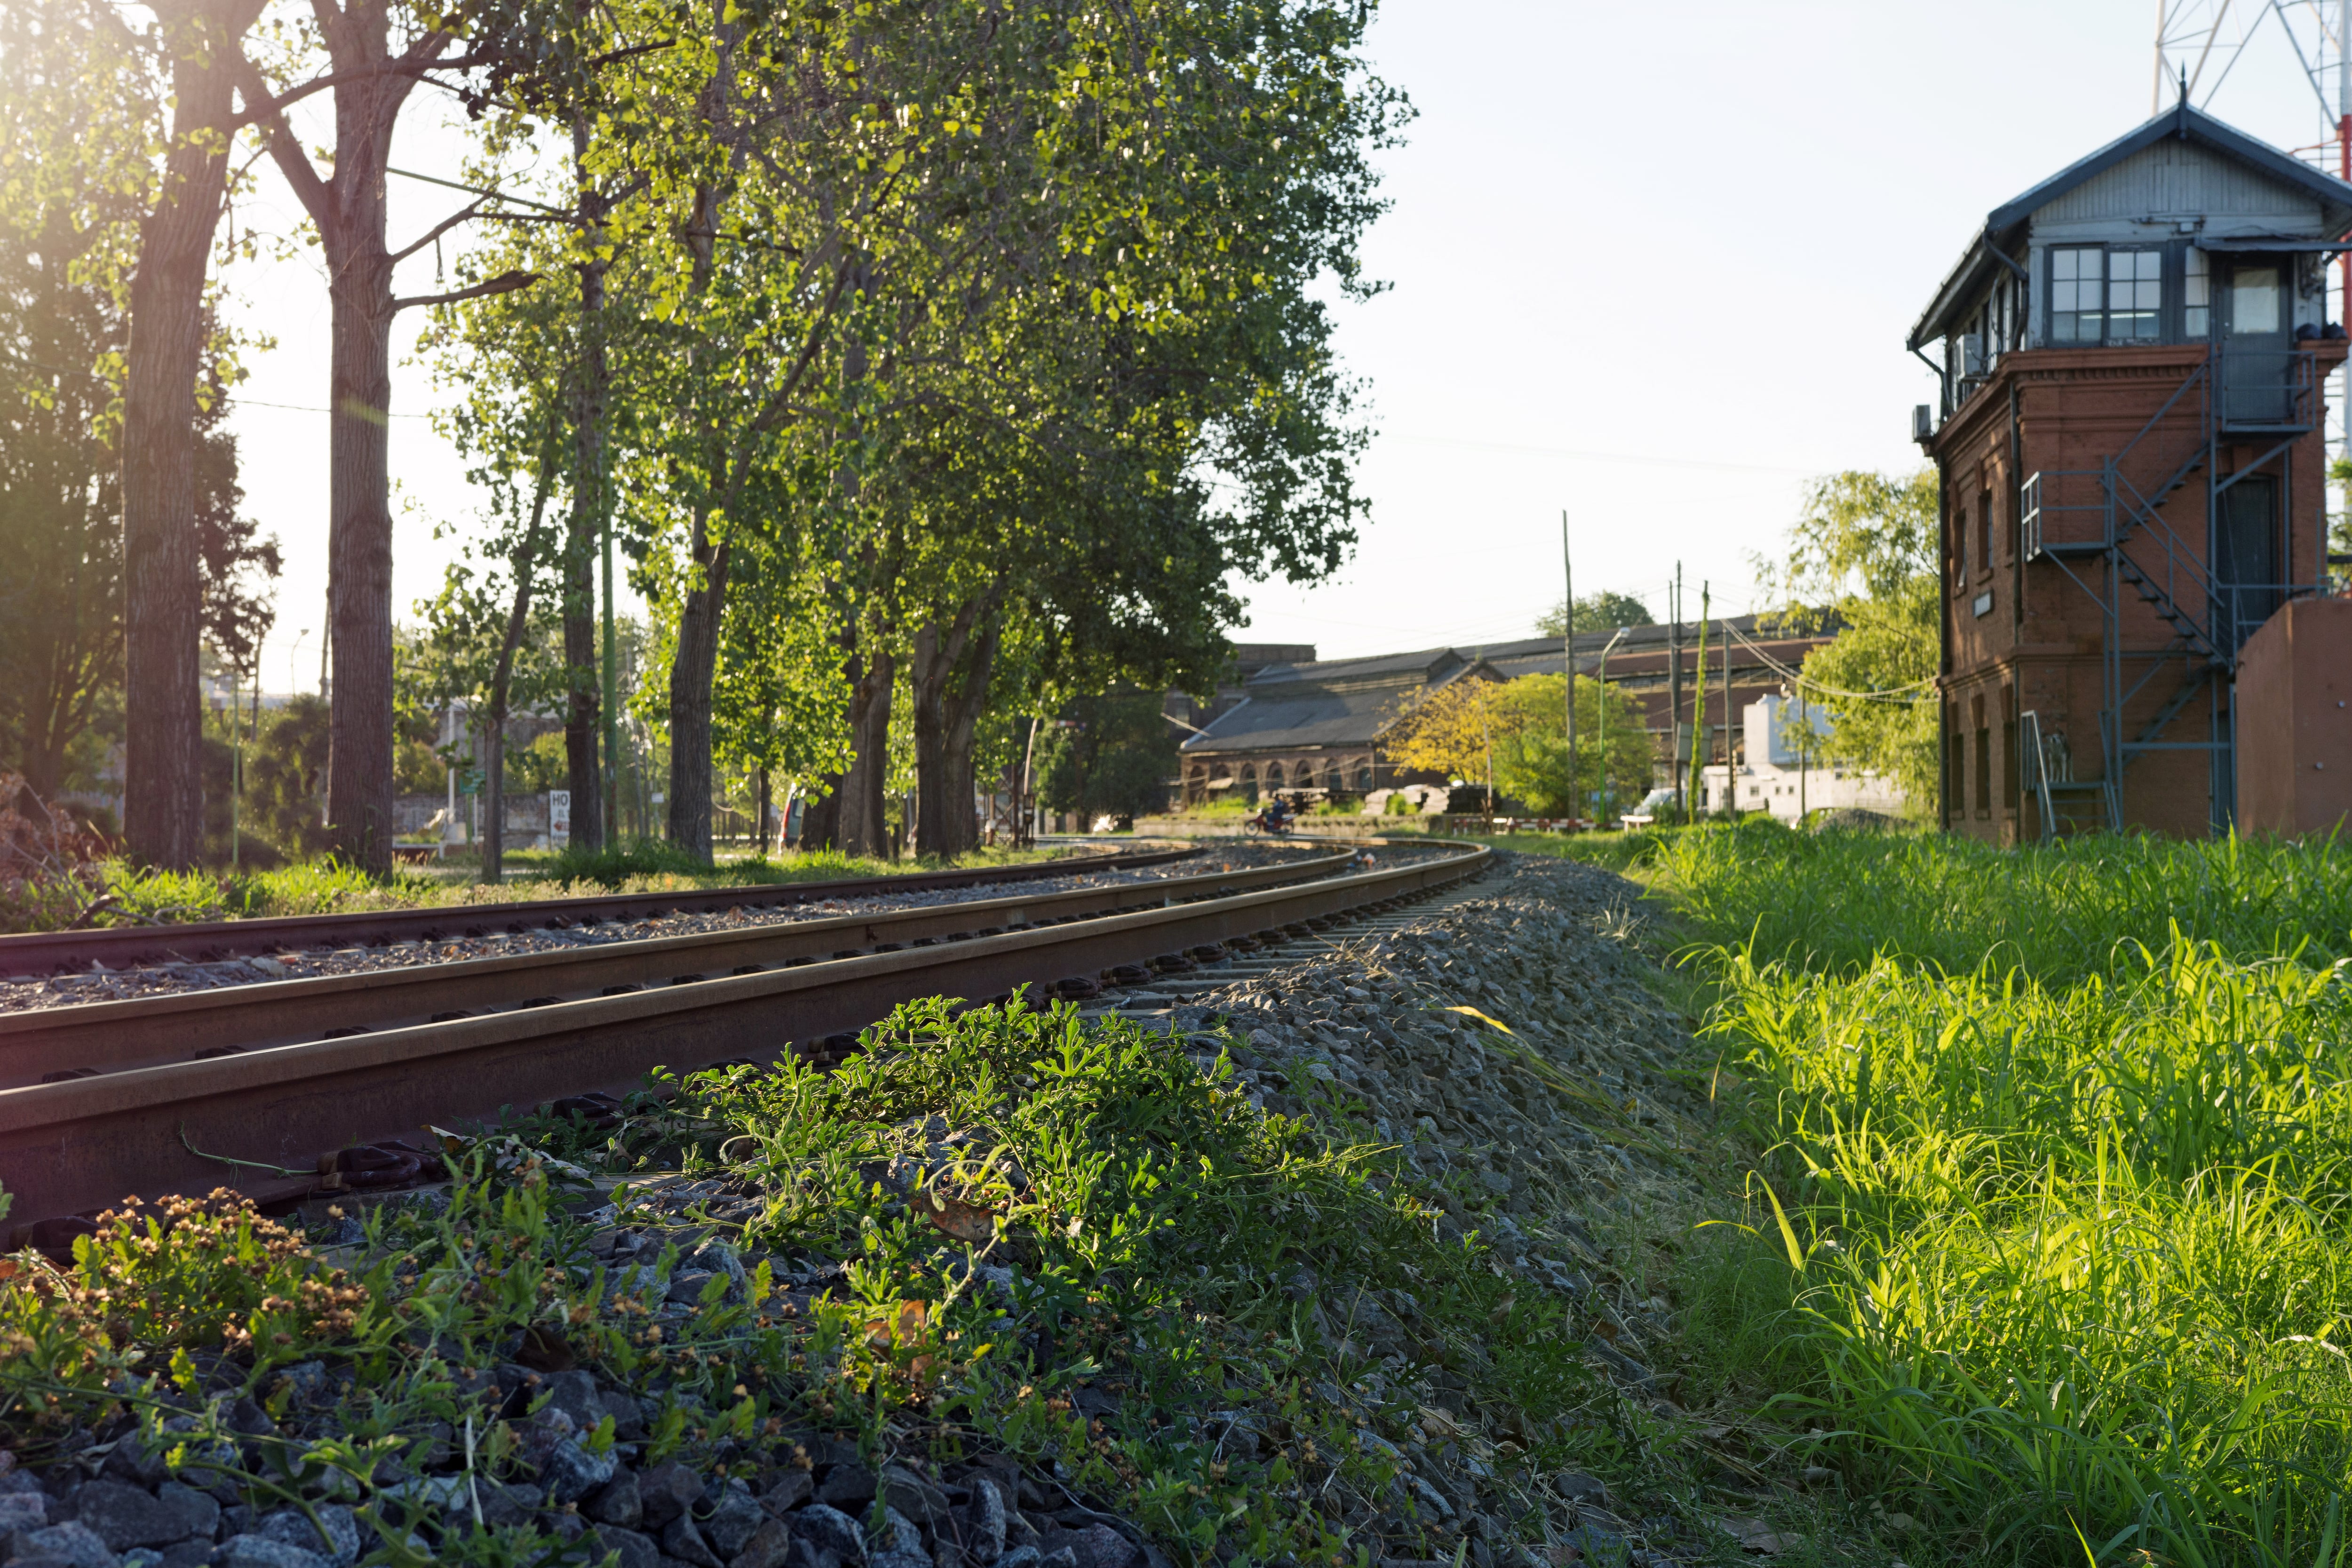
51, 872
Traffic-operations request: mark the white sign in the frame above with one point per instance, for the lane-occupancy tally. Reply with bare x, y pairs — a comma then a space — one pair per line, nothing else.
558, 819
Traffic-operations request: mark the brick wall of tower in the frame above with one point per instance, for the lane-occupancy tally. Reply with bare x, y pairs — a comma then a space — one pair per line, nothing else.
2022, 635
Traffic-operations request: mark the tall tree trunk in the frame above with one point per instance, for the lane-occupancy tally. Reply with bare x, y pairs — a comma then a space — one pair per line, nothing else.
821, 817
349, 207
583, 725
359, 547
583, 709
494, 788
950, 669
964, 709
865, 826
690, 672
163, 802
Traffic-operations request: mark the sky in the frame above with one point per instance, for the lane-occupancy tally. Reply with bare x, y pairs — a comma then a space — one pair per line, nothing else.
1652, 267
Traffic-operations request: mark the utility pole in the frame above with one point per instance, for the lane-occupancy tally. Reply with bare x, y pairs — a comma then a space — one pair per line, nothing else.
1607, 798
1730, 792
1674, 697
1568, 647
1698, 711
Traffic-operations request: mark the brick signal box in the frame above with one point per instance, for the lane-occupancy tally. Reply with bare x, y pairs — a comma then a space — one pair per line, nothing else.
2133, 474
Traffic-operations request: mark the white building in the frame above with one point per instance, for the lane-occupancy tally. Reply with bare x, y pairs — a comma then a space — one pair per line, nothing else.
1784, 774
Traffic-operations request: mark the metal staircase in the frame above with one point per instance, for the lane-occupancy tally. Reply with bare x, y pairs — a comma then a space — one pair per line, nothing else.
2110, 520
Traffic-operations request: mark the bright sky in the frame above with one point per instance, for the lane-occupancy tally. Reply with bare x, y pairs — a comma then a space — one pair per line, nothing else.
1651, 264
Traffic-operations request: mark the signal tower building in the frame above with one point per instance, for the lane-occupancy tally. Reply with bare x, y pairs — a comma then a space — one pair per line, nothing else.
2131, 440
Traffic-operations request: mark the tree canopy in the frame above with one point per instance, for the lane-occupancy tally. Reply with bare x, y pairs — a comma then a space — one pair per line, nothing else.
1602, 612
1521, 726
1864, 551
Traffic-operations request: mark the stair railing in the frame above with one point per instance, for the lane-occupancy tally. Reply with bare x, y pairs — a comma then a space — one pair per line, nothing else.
2029, 749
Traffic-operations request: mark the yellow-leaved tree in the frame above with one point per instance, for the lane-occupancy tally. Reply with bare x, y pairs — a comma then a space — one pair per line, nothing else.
1523, 725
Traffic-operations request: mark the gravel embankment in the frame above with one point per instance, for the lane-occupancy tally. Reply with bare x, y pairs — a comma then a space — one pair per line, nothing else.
1542, 1141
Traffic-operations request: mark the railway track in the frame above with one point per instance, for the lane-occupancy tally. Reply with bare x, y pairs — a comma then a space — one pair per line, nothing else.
120, 947
274, 1088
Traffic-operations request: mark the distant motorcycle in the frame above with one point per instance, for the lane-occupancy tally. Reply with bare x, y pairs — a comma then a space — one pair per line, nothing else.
1272, 820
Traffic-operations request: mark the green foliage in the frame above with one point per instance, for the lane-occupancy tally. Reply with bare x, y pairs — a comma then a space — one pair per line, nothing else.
542, 765
284, 777
1864, 553
1602, 612
1112, 756
2057, 1150
1521, 728
780, 699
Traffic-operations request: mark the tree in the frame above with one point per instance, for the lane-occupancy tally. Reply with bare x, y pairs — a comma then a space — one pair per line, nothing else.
1866, 551
1110, 757
1602, 612
62, 329
1521, 726
1449, 730
285, 778
164, 364
372, 74
114, 148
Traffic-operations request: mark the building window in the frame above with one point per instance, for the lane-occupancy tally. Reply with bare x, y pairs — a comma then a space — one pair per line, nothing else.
2134, 296
1273, 775
2113, 296
1363, 776
1960, 550
2197, 296
2255, 295
2076, 276
1984, 532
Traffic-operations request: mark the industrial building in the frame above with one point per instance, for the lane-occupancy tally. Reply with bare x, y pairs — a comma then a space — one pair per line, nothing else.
1320, 724
2130, 442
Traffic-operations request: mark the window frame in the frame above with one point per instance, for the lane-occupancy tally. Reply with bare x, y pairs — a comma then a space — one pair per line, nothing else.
2170, 282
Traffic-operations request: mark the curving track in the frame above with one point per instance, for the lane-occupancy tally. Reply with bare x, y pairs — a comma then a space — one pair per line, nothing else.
139, 1087
119, 947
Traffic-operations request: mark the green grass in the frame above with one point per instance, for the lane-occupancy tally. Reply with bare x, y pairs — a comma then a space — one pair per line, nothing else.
325, 886
2052, 1208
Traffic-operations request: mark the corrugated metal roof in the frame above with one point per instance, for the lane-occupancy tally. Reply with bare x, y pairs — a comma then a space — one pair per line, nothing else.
2001, 232
1311, 717
1392, 664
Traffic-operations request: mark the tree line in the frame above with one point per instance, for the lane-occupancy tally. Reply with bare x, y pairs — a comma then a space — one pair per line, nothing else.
921, 363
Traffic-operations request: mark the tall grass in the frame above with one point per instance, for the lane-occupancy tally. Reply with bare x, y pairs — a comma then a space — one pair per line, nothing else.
2068, 908
2059, 1145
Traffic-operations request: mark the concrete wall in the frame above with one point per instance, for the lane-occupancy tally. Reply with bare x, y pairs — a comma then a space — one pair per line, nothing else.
2294, 727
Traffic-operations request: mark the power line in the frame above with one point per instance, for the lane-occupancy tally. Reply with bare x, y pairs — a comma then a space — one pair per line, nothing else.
1892, 694
1639, 459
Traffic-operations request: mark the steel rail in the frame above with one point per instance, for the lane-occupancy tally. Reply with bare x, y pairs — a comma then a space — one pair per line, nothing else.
75, 1146
152, 1031
119, 947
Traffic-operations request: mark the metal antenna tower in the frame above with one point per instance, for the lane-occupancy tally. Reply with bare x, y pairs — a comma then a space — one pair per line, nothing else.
2199, 46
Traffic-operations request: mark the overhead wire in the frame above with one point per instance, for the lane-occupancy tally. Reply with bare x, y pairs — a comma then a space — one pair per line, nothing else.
1890, 695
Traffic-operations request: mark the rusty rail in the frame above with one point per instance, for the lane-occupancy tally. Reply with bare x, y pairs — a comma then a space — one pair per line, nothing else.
119, 947
74, 1146
154, 1031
